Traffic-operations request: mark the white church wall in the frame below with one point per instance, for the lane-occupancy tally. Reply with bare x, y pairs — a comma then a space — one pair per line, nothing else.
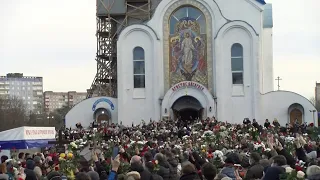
83, 112
248, 11
240, 99
137, 103
267, 61
276, 104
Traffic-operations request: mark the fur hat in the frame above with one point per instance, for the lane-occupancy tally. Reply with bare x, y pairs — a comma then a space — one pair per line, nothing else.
134, 174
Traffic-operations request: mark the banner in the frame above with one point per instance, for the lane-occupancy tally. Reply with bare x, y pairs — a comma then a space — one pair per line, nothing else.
39, 133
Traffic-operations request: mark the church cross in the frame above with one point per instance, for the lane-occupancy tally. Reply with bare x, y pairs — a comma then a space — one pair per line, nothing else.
60, 143
278, 79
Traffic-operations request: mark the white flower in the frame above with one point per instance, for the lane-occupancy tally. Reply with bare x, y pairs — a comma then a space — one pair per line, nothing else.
74, 145
257, 146
300, 174
289, 139
222, 128
218, 153
140, 142
231, 129
185, 137
289, 170
267, 149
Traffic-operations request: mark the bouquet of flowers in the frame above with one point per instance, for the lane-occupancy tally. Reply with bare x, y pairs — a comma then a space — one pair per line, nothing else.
292, 174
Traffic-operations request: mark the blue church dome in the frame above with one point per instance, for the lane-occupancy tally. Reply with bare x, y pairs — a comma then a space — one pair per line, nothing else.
261, 1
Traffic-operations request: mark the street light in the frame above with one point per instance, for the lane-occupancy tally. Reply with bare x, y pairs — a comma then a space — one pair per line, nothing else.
50, 117
313, 111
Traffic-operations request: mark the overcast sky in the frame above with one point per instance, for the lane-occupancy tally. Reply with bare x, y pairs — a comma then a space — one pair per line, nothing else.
56, 40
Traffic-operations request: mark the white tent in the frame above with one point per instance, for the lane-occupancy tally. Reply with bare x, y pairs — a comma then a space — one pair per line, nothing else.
26, 137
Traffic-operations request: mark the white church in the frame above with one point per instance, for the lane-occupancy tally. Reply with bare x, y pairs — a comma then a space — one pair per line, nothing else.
199, 59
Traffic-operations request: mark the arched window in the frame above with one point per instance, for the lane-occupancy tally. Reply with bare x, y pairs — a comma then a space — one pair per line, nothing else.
138, 68
237, 63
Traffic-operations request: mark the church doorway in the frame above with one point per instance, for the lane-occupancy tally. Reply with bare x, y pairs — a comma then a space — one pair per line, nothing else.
295, 115
102, 116
187, 108
296, 112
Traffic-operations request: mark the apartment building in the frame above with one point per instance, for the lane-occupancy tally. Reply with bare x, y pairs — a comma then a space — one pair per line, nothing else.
55, 100
27, 88
317, 92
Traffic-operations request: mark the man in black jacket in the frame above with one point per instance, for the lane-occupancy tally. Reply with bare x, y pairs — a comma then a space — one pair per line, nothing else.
136, 165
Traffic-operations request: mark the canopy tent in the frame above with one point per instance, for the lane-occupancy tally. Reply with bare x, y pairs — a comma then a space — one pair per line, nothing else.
27, 137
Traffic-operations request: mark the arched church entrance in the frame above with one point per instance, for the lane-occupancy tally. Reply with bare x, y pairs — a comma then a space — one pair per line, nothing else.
102, 116
187, 108
296, 112
186, 99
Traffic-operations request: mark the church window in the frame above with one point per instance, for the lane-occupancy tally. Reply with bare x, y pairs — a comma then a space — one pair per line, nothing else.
237, 63
138, 67
186, 15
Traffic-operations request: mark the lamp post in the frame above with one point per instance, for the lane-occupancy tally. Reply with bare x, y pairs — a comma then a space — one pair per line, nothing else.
313, 111
50, 117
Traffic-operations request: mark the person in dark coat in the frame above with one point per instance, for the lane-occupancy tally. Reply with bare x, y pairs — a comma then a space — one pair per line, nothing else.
189, 172
256, 169
136, 165
164, 166
209, 171
267, 124
277, 168
274, 173
173, 166
150, 166
30, 174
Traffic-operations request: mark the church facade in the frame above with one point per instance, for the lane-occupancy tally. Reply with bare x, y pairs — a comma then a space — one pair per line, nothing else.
203, 58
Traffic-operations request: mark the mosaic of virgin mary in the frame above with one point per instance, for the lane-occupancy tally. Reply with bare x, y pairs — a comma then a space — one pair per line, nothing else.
187, 52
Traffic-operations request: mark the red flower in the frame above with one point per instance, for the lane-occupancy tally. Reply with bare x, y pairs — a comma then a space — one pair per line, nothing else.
108, 161
298, 168
311, 124
56, 168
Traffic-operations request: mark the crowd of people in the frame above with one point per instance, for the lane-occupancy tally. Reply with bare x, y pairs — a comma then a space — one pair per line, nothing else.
171, 150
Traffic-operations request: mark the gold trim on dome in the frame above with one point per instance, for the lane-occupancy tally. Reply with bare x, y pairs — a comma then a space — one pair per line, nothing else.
166, 34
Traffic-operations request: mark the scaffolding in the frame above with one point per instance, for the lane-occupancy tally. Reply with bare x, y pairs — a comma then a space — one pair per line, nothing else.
112, 17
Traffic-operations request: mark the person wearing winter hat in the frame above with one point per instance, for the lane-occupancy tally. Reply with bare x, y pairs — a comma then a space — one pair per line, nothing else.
30, 174
313, 172
93, 175
37, 169
54, 175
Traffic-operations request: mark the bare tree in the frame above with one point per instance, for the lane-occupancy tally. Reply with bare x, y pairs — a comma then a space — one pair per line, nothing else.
12, 113
315, 103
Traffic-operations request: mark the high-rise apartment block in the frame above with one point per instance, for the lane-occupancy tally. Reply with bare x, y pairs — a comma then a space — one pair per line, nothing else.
27, 88
55, 100
317, 92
